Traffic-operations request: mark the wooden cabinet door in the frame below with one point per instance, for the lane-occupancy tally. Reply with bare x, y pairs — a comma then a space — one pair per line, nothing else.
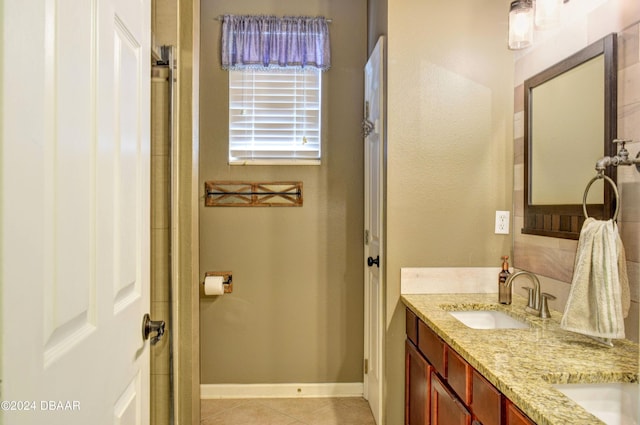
446, 409
417, 387
514, 416
486, 400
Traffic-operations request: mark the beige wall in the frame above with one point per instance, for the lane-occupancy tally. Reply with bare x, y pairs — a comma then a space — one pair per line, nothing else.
450, 104
376, 22
553, 258
164, 22
296, 313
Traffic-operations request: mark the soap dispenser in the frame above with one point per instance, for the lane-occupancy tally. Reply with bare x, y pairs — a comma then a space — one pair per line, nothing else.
504, 292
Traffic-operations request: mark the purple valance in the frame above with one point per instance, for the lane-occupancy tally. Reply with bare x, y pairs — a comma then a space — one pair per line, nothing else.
263, 41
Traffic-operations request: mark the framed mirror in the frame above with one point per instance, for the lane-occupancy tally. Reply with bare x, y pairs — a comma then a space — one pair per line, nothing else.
570, 122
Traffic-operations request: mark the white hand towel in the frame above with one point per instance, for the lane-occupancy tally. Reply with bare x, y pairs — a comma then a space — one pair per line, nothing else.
599, 298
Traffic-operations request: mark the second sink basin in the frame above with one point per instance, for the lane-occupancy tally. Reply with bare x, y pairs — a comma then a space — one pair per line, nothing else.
488, 319
614, 404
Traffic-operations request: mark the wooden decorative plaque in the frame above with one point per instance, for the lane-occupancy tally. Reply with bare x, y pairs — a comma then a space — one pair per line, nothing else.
252, 194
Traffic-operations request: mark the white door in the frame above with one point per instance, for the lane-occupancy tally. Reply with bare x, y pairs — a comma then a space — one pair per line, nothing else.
373, 249
74, 211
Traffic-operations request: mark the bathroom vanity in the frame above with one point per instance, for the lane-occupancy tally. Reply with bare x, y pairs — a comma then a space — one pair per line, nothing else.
501, 373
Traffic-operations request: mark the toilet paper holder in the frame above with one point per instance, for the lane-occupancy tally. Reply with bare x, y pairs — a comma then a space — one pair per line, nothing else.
227, 280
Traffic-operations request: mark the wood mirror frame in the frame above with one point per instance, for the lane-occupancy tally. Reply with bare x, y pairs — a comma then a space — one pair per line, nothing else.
565, 220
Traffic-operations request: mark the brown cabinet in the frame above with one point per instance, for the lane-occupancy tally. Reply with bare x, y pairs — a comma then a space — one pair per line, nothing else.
441, 388
412, 327
486, 401
459, 375
417, 387
446, 408
514, 416
432, 347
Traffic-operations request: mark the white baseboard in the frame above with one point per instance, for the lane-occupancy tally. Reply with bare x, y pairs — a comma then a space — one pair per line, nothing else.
212, 391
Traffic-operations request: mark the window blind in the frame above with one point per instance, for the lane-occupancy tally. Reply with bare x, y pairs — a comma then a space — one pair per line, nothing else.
274, 115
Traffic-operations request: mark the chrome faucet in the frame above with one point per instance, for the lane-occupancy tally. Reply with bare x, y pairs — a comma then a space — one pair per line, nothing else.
537, 304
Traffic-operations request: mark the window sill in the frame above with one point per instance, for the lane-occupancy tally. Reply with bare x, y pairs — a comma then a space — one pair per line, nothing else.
276, 162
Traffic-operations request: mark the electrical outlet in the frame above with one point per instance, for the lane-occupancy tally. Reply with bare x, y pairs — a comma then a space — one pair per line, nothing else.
502, 222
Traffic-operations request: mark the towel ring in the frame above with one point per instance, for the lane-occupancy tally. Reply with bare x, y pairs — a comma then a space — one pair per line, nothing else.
615, 191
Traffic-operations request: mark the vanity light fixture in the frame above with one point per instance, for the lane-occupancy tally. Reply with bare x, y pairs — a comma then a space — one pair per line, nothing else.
527, 15
520, 24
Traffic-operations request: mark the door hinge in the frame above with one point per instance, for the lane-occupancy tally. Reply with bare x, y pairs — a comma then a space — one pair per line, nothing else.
366, 366
366, 237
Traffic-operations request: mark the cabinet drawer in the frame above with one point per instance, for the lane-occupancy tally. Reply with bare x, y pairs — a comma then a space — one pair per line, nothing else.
459, 375
514, 416
432, 347
412, 327
486, 400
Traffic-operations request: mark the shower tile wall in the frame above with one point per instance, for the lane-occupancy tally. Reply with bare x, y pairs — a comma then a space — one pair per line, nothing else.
160, 224
555, 256
629, 177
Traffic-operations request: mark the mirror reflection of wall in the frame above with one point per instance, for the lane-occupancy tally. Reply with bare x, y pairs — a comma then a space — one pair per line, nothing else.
567, 137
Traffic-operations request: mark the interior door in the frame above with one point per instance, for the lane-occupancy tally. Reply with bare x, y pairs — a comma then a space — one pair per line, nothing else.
373, 249
74, 211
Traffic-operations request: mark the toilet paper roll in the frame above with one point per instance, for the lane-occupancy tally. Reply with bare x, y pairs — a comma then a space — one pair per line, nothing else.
214, 285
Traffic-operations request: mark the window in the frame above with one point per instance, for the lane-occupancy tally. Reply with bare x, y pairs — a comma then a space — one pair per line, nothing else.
274, 115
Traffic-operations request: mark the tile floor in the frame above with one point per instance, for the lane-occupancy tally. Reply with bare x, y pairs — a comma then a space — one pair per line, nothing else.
286, 411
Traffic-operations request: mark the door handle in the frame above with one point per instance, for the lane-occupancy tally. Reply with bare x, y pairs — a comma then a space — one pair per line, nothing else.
371, 261
149, 326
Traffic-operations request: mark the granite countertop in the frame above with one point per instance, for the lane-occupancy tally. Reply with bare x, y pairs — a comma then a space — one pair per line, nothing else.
524, 363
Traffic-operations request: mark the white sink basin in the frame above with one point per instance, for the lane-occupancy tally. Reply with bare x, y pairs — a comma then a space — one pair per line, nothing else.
614, 404
488, 319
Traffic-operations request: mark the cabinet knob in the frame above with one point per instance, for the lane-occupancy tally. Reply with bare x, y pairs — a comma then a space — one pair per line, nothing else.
371, 261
